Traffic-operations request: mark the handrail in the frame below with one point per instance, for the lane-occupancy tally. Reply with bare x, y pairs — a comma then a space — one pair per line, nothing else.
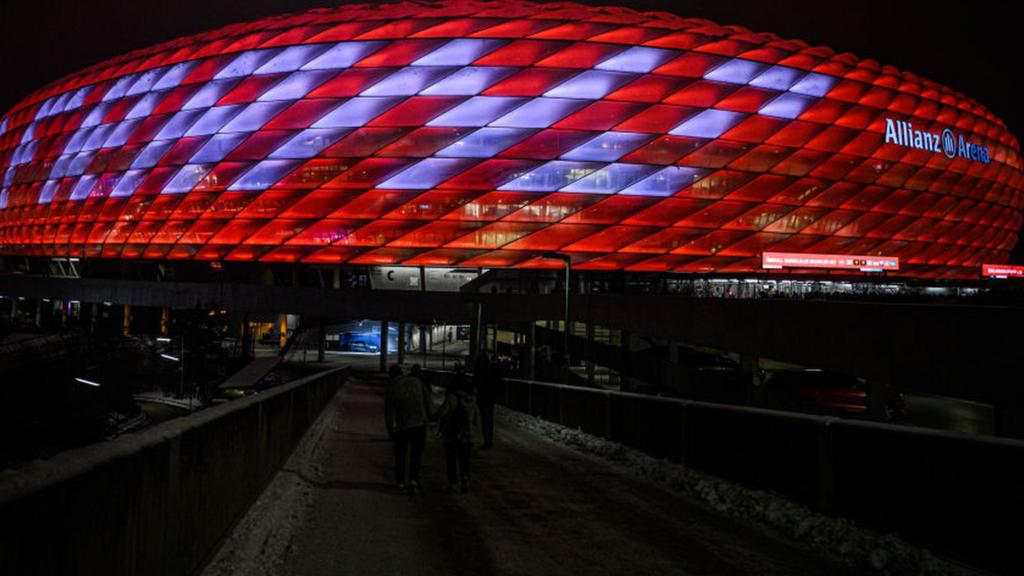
42, 474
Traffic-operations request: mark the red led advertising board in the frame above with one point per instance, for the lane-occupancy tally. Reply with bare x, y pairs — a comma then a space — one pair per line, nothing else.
779, 260
1002, 271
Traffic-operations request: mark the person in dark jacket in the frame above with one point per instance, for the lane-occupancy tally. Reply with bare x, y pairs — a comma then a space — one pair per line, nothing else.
484, 374
407, 404
459, 421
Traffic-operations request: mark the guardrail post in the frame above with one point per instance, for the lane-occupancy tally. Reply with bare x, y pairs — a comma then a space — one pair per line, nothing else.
684, 437
608, 415
561, 405
826, 471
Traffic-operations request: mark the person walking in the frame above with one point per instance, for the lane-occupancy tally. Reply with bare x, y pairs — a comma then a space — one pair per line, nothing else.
407, 403
458, 421
484, 381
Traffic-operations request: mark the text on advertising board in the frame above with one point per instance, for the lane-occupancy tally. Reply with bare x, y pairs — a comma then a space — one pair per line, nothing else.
1002, 271
779, 260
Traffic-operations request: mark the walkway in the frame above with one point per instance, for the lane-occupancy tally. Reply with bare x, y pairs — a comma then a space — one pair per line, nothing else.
534, 508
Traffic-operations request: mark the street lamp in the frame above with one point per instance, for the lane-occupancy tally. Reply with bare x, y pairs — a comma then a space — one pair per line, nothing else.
95, 384
565, 335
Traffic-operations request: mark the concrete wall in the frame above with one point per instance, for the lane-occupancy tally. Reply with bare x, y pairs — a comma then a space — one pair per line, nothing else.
958, 495
157, 502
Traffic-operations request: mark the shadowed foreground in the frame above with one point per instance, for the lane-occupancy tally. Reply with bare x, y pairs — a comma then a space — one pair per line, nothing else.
534, 507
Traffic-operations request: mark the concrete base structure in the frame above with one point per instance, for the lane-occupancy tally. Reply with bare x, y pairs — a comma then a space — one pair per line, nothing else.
159, 501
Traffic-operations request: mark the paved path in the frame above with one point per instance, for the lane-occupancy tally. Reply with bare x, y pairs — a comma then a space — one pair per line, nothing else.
534, 508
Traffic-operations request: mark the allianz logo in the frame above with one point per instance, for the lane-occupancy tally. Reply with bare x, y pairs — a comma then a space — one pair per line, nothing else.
947, 142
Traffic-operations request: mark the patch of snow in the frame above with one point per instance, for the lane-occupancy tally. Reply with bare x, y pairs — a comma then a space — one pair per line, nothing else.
259, 544
831, 537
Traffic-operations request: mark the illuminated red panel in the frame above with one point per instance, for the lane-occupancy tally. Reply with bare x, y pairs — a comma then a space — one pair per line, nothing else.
367, 136
530, 82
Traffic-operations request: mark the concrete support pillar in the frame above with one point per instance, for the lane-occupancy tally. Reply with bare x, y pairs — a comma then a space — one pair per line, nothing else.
283, 330
246, 335
530, 350
401, 343
39, 313
62, 307
321, 342
671, 373
424, 334
384, 346
336, 278
94, 314
474, 342
588, 352
626, 360
14, 308
126, 320
165, 321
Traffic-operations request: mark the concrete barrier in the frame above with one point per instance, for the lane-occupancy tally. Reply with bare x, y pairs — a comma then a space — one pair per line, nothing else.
159, 501
959, 495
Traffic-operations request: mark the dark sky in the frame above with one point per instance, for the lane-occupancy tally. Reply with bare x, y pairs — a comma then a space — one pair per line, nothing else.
973, 47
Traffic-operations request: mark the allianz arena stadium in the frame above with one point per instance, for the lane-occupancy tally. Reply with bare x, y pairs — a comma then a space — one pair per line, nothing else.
487, 134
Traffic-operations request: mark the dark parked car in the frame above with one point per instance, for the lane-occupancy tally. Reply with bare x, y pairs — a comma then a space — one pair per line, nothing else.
708, 376
825, 392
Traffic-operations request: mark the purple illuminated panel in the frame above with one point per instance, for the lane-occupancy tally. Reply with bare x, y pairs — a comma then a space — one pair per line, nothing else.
608, 147
356, 112
610, 179
592, 84
309, 142
787, 105
551, 176
708, 124
426, 174
343, 55
539, 113
637, 59
459, 52
468, 81
666, 181
735, 71
485, 142
477, 111
264, 174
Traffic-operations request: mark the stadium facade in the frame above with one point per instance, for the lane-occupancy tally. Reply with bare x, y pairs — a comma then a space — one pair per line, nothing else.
488, 134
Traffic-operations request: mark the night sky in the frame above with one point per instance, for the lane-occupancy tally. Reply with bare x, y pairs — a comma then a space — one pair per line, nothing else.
973, 47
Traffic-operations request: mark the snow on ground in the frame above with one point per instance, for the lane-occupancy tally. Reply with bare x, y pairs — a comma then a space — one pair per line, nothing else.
259, 544
831, 537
